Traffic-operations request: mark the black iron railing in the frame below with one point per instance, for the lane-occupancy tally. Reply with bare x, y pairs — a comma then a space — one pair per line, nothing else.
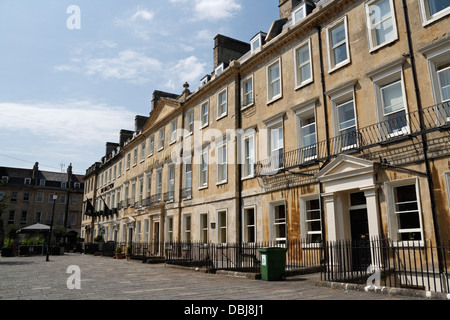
395, 128
382, 262
420, 265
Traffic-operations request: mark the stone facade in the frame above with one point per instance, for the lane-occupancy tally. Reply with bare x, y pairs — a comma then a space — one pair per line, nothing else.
28, 197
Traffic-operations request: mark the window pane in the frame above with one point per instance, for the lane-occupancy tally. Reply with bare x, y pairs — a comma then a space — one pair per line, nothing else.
308, 132
444, 83
346, 115
338, 44
274, 80
435, 6
392, 98
303, 64
338, 35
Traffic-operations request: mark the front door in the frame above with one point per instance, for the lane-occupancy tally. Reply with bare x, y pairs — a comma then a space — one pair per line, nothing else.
359, 226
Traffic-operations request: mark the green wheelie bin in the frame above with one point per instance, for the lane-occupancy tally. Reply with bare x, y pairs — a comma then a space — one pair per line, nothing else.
273, 263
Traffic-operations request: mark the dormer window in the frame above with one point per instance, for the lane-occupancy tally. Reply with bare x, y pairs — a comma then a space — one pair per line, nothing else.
299, 13
257, 41
204, 80
219, 69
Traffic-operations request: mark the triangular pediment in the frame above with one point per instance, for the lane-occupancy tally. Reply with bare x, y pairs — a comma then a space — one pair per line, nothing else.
344, 166
162, 111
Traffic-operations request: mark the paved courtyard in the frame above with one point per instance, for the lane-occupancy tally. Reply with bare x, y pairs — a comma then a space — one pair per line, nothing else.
105, 278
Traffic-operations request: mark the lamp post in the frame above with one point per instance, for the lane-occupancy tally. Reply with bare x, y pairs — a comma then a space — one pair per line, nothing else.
55, 196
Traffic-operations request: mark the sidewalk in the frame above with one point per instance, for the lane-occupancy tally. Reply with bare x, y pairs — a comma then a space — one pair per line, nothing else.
104, 278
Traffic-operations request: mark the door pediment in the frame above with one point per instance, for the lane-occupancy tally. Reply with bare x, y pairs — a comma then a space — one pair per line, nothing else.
346, 173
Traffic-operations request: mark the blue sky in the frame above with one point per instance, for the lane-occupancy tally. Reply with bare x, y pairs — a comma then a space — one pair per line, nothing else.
65, 92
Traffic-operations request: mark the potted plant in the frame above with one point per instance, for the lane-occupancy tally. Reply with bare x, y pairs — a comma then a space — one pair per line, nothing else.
119, 254
128, 253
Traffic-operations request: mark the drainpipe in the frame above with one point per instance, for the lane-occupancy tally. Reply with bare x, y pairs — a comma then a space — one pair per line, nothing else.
324, 98
424, 137
238, 165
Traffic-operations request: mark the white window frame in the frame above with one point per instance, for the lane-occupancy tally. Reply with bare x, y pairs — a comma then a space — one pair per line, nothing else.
221, 148
248, 159
301, 112
271, 97
332, 66
339, 97
135, 157
438, 56
189, 122
204, 153
245, 103
127, 163
447, 183
393, 227
171, 181
373, 44
161, 138
151, 145
187, 161
169, 229
220, 227
146, 230
281, 241
218, 70
173, 132
143, 145
158, 186
301, 8
304, 230
187, 227
203, 228
380, 82
275, 123
256, 43
220, 114
297, 66
204, 114
425, 15
246, 225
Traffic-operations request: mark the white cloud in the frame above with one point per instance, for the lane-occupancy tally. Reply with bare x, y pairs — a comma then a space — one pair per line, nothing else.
128, 65
216, 10
190, 70
70, 131
212, 10
143, 14
139, 23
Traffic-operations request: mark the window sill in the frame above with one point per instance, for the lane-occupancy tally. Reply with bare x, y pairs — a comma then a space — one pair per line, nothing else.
274, 99
303, 84
338, 66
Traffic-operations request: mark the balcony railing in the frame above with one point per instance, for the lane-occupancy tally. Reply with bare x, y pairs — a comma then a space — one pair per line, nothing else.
169, 196
395, 128
186, 193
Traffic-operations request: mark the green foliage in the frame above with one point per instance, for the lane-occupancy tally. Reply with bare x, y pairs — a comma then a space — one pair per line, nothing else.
37, 240
8, 242
119, 249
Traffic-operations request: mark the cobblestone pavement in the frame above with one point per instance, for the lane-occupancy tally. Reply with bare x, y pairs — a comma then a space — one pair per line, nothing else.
105, 278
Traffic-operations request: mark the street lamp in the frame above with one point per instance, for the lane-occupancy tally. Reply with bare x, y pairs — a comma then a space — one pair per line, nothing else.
55, 196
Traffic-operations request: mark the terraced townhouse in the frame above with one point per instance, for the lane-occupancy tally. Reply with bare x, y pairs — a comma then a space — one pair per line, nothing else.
332, 125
